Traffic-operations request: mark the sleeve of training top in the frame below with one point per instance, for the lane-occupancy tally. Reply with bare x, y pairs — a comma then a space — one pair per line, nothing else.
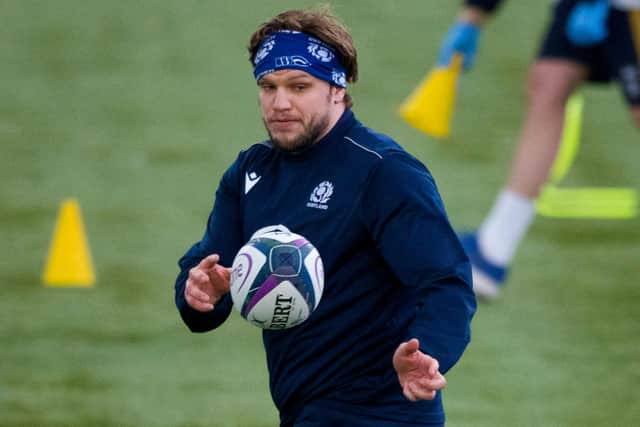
407, 220
223, 236
486, 5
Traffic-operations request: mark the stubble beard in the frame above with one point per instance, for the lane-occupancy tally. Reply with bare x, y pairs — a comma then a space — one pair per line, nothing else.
309, 135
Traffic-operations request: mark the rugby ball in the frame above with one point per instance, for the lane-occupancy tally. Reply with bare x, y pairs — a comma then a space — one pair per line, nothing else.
277, 279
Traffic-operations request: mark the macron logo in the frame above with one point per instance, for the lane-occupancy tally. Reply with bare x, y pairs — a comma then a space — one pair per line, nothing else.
250, 179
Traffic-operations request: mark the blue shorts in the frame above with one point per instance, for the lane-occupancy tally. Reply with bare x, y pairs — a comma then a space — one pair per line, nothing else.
617, 57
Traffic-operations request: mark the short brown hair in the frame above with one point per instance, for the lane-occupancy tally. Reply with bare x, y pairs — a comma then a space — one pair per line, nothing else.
318, 22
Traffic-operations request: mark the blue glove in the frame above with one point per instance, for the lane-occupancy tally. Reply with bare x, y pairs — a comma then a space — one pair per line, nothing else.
462, 38
587, 23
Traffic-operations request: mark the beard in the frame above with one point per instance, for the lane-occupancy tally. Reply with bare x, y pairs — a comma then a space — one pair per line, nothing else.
310, 134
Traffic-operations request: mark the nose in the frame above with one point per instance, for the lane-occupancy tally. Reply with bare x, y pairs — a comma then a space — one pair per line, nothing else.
281, 100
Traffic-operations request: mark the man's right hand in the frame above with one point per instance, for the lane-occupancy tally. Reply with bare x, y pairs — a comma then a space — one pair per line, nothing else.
207, 283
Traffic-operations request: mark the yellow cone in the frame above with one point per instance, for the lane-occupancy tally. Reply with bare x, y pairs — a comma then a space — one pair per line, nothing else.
430, 107
69, 259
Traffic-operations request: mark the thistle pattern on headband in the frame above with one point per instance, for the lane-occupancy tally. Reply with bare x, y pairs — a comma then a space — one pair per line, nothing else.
295, 50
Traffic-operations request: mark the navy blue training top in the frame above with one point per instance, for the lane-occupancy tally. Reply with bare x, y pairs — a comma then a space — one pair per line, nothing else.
394, 268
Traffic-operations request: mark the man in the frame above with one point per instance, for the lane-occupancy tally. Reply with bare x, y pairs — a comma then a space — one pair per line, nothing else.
397, 304
595, 40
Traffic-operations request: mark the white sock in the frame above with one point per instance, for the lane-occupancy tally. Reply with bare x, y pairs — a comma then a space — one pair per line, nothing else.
507, 223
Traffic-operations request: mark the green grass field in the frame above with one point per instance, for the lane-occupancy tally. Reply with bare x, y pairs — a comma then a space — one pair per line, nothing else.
136, 108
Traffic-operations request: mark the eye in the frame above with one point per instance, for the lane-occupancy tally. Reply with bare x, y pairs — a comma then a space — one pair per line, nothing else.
299, 87
266, 86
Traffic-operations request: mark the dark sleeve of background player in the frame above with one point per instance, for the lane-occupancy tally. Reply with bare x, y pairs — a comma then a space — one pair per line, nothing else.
407, 220
223, 236
487, 5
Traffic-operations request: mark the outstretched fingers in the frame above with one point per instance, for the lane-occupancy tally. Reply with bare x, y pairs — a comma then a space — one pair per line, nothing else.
423, 388
419, 393
220, 279
197, 297
199, 290
406, 351
408, 348
209, 262
418, 373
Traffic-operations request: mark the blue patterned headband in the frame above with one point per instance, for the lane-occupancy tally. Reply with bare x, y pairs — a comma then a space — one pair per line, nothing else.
293, 50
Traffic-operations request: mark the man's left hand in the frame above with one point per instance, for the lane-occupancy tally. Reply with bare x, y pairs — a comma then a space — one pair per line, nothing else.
417, 372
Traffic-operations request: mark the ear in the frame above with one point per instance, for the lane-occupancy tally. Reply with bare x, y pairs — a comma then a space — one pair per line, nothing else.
337, 94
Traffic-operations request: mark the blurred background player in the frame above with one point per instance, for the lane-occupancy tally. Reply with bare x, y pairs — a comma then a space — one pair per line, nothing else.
595, 40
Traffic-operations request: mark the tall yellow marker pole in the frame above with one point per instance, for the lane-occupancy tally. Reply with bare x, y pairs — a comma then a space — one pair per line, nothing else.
571, 135
69, 259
